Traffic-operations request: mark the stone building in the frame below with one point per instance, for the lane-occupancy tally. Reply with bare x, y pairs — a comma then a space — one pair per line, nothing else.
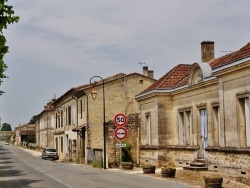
78, 135
65, 117
45, 126
200, 110
22, 132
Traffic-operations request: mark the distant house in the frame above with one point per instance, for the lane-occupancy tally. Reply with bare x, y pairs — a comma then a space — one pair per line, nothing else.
45, 122
200, 110
22, 132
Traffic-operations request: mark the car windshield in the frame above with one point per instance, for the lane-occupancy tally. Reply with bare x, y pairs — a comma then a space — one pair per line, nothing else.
51, 150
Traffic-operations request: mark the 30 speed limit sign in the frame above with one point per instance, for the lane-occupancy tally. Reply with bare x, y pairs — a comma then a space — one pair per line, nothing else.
120, 120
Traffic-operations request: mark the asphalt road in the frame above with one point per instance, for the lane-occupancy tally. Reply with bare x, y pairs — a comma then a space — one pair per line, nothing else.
19, 169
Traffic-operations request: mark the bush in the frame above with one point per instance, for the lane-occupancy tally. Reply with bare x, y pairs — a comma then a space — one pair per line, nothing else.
126, 153
97, 165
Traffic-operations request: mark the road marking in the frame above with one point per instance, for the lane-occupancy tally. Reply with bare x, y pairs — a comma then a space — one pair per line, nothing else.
68, 186
58, 180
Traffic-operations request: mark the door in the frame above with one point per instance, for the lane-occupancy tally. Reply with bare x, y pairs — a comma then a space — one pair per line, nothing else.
203, 126
70, 149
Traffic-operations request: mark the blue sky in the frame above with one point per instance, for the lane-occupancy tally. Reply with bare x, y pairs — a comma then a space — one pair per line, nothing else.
61, 44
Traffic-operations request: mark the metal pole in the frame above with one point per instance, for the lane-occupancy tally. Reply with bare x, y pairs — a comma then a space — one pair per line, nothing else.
120, 154
104, 130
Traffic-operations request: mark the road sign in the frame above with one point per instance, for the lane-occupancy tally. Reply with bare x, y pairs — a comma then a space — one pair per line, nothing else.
120, 145
120, 120
120, 133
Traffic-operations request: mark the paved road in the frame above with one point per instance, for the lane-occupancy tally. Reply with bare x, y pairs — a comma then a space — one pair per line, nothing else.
19, 169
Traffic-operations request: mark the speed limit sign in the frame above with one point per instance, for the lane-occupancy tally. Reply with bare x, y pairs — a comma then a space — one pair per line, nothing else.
120, 120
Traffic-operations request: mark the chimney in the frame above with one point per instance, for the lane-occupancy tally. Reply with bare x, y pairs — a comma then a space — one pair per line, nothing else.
145, 71
151, 74
207, 51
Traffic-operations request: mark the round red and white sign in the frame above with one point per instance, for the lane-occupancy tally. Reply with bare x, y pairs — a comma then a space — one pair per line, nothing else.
120, 133
120, 120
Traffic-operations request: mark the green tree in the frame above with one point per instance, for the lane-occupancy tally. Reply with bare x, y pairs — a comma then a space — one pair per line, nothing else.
31, 139
6, 18
32, 120
6, 127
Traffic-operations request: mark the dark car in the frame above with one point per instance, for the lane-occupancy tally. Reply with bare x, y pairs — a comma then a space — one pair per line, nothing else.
50, 153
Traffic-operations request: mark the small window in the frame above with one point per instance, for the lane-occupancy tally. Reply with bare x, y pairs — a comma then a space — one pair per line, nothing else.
141, 81
148, 128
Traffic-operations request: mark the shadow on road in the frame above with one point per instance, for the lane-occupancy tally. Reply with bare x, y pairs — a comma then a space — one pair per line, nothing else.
21, 183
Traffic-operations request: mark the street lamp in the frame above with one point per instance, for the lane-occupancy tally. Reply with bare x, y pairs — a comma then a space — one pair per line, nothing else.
94, 95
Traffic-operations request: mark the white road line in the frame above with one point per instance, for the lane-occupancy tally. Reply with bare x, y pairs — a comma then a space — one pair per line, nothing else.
50, 176
68, 186
58, 180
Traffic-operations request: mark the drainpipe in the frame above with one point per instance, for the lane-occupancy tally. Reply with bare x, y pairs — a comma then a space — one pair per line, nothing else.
138, 149
86, 130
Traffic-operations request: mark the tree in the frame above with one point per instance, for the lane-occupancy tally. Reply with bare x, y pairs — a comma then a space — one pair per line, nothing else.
32, 120
6, 18
6, 127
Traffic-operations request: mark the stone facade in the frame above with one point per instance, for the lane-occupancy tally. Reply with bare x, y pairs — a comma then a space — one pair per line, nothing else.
65, 120
200, 111
133, 129
45, 127
79, 119
119, 91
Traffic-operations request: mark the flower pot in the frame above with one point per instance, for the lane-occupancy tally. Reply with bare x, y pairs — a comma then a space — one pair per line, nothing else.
148, 169
127, 166
213, 182
168, 172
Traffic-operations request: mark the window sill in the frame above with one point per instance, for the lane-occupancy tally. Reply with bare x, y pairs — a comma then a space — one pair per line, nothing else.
233, 150
172, 147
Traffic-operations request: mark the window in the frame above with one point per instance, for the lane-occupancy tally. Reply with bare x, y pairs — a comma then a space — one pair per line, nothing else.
56, 143
81, 108
62, 144
69, 115
215, 126
185, 128
244, 125
52, 121
203, 126
61, 118
148, 129
74, 114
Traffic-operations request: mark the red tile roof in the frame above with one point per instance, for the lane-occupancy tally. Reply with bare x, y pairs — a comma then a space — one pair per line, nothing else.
176, 77
232, 57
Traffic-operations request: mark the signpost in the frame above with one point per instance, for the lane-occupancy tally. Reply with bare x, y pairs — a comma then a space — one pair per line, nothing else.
121, 133
120, 120
120, 145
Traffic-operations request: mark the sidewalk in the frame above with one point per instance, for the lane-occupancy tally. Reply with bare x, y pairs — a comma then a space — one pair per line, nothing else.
185, 176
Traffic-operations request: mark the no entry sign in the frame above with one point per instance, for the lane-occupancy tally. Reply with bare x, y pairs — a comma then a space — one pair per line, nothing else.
120, 120
120, 133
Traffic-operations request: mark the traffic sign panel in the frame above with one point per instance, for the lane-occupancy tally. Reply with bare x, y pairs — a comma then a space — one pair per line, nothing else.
120, 145
120, 120
120, 133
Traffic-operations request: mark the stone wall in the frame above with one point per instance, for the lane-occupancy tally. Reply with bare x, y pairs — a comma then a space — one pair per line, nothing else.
233, 166
132, 126
5, 135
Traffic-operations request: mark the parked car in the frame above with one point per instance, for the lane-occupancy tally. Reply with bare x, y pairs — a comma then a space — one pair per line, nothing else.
6, 143
50, 153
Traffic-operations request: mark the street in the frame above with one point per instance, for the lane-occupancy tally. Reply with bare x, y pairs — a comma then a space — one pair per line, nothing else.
19, 169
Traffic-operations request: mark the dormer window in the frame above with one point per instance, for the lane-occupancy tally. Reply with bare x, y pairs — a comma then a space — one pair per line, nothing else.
198, 72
